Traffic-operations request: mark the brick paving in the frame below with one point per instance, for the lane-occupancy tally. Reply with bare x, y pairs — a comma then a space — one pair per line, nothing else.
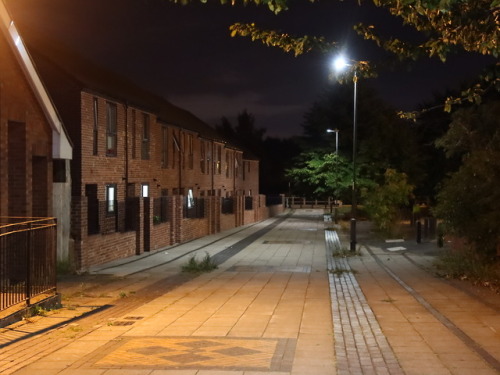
276, 300
360, 345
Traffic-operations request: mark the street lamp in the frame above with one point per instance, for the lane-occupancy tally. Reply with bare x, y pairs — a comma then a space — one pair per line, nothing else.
336, 131
339, 64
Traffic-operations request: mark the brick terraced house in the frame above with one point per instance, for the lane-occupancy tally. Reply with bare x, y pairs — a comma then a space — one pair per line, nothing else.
145, 173
35, 184
34, 148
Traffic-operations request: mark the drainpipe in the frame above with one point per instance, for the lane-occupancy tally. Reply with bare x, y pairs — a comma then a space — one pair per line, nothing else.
212, 163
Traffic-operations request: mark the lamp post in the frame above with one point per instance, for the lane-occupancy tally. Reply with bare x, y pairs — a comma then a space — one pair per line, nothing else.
339, 65
336, 131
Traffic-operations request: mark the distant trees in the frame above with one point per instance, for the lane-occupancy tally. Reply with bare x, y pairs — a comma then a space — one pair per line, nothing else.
384, 140
275, 154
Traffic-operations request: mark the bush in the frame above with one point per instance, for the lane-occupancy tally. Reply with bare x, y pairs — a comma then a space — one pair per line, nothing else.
467, 264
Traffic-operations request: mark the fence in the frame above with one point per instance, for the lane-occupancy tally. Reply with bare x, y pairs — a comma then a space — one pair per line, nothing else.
27, 260
297, 202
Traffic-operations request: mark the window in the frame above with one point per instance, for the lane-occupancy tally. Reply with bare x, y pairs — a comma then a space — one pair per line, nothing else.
111, 126
134, 135
237, 163
177, 148
218, 157
190, 199
145, 138
95, 132
189, 146
145, 190
164, 147
228, 163
202, 156
111, 199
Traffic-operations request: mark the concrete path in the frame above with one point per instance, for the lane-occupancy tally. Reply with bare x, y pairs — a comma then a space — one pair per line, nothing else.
279, 303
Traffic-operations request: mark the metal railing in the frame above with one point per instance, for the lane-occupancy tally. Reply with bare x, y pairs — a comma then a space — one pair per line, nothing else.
27, 260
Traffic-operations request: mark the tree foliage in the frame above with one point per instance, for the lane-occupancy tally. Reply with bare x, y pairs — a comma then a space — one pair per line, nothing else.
469, 201
383, 140
322, 175
444, 27
383, 202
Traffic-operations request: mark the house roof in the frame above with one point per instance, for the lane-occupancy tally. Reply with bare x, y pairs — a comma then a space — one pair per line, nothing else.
61, 146
58, 63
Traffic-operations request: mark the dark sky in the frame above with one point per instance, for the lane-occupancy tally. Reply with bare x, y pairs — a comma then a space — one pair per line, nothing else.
185, 53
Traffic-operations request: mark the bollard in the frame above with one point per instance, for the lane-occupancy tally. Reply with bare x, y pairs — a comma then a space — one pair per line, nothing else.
353, 234
419, 232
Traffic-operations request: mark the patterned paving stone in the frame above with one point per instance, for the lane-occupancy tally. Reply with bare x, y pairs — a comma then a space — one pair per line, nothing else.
222, 353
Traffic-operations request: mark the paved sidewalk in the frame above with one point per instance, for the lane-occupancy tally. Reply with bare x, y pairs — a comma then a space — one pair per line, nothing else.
279, 303
266, 309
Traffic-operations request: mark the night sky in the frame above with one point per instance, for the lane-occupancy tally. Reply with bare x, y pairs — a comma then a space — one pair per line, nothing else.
185, 54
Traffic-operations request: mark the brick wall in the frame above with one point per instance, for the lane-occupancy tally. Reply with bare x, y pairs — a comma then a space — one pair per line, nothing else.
177, 161
25, 143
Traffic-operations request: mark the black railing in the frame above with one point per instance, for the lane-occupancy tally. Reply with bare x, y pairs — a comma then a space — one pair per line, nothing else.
194, 208
227, 206
248, 203
27, 260
160, 210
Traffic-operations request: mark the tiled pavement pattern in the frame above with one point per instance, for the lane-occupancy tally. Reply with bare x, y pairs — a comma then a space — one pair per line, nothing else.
220, 353
274, 290
360, 345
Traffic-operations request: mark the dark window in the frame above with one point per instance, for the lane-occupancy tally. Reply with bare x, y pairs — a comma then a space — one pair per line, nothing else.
228, 164
92, 209
145, 138
59, 169
248, 203
189, 147
111, 126
134, 135
95, 133
164, 147
227, 205
202, 156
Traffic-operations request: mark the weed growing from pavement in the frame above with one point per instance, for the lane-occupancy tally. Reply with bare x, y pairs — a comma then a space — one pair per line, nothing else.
337, 271
345, 253
194, 266
389, 300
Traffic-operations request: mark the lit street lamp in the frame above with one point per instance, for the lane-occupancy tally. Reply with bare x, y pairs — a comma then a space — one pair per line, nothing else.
336, 131
339, 65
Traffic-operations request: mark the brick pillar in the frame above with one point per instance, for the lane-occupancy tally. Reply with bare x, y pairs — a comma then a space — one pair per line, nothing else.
139, 228
175, 210
79, 230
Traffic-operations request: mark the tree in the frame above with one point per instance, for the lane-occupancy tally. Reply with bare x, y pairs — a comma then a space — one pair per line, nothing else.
245, 134
469, 201
384, 140
383, 202
320, 175
444, 27
274, 154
